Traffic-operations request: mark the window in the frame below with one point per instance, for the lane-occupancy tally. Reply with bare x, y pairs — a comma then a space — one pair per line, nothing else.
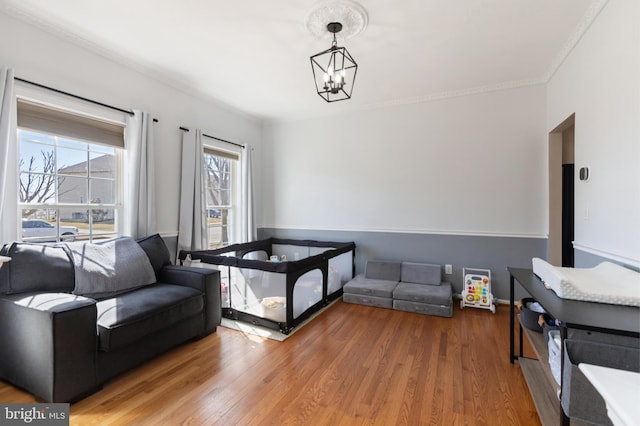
221, 174
69, 175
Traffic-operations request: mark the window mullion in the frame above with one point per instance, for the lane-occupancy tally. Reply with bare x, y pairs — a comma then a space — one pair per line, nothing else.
73, 188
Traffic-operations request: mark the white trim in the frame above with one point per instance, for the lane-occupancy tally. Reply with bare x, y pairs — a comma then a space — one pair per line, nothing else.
607, 254
478, 90
29, 15
584, 24
414, 231
168, 234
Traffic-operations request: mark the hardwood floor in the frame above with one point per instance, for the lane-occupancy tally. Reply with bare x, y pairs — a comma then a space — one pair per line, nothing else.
351, 365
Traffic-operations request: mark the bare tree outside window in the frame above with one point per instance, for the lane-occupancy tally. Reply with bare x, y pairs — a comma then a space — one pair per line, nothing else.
80, 198
38, 186
218, 199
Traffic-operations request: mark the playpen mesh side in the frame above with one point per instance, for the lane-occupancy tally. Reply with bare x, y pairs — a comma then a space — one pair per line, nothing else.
252, 285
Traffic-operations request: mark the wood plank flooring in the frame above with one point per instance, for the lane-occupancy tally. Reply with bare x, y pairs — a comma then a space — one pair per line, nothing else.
351, 365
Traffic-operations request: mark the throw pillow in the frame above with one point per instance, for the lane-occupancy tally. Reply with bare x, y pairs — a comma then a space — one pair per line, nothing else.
107, 269
36, 267
156, 251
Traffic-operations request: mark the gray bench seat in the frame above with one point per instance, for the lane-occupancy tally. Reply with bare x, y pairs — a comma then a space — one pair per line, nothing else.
424, 299
405, 286
374, 287
422, 290
371, 292
433, 294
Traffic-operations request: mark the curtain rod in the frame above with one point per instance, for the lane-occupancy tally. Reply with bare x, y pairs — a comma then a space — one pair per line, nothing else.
42, 86
213, 137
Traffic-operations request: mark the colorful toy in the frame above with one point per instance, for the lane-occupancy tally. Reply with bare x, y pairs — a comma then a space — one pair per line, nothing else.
476, 289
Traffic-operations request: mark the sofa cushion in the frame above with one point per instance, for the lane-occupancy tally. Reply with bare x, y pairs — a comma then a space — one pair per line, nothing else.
156, 251
382, 270
421, 273
54, 271
361, 299
370, 287
423, 308
431, 294
105, 269
128, 317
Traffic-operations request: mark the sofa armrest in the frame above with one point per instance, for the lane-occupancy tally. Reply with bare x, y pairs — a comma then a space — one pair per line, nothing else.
203, 279
49, 344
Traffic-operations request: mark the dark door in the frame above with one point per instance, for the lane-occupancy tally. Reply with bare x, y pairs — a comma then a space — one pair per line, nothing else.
567, 214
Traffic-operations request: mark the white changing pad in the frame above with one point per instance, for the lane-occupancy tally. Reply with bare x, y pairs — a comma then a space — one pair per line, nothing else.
605, 283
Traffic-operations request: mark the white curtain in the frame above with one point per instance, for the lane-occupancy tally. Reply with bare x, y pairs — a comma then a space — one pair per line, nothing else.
8, 158
192, 227
247, 215
139, 177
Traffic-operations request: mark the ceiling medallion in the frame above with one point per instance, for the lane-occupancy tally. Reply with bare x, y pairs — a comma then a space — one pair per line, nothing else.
334, 69
350, 14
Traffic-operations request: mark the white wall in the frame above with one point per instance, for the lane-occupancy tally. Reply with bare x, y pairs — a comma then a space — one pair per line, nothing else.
41, 57
600, 82
468, 165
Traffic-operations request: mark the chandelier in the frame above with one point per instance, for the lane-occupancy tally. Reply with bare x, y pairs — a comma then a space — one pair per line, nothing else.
334, 70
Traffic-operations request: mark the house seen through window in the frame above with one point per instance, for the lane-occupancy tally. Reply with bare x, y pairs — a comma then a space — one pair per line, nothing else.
68, 186
221, 175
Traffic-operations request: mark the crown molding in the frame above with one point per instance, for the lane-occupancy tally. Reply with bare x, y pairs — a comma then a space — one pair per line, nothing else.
507, 85
479, 90
29, 17
584, 24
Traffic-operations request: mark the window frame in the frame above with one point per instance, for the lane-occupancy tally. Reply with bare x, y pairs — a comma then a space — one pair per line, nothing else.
212, 148
86, 112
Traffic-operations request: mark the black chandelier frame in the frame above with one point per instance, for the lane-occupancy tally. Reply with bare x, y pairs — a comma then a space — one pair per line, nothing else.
333, 60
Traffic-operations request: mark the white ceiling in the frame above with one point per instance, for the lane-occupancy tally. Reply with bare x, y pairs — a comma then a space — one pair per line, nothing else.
254, 54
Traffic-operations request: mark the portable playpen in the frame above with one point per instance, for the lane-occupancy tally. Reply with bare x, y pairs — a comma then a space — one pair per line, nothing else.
278, 283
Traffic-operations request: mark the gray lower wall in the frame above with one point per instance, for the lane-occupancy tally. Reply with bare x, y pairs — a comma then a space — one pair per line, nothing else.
494, 253
583, 259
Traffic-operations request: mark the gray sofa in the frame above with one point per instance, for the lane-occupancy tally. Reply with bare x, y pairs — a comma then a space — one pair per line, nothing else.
375, 286
63, 337
404, 286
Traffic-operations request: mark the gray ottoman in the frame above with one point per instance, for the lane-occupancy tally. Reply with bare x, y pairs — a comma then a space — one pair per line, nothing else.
422, 291
374, 287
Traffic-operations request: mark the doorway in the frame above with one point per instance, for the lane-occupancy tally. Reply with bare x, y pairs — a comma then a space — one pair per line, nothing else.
561, 193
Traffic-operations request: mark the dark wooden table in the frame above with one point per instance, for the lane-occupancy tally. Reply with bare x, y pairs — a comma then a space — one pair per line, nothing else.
593, 316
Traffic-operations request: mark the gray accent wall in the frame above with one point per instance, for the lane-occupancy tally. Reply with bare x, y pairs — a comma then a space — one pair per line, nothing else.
583, 259
486, 252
